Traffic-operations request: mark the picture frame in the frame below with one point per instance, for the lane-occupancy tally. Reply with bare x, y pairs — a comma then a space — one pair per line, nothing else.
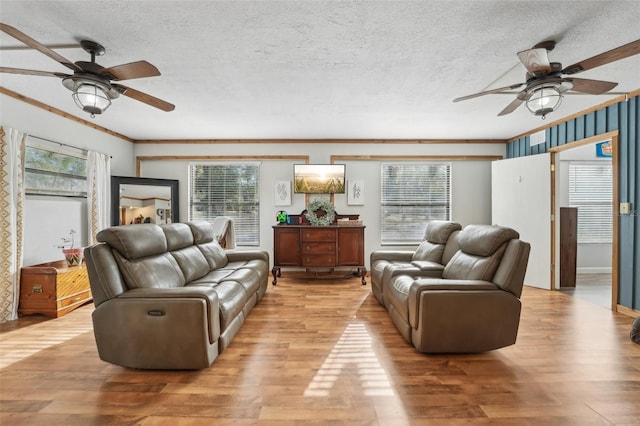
355, 192
282, 193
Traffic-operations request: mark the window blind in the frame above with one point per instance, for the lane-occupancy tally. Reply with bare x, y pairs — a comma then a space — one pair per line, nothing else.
52, 170
591, 191
217, 189
411, 195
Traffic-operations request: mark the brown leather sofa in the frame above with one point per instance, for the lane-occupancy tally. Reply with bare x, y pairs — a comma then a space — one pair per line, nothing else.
474, 305
428, 260
168, 296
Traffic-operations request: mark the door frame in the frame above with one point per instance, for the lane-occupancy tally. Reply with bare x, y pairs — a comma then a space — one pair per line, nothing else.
613, 136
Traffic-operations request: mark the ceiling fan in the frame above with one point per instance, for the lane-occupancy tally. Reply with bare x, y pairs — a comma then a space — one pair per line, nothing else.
90, 82
546, 82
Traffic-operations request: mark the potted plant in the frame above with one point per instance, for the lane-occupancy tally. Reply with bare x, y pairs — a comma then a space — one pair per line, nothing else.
73, 255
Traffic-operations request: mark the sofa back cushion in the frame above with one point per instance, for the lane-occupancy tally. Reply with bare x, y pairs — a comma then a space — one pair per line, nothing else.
141, 253
204, 238
214, 254
484, 240
451, 247
134, 241
435, 237
512, 269
428, 251
178, 235
202, 231
481, 248
189, 257
158, 271
438, 231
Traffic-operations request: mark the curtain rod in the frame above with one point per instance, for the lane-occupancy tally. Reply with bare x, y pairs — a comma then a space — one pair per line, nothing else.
83, 150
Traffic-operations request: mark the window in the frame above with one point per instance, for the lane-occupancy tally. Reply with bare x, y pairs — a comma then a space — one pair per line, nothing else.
591, 191
53, 169
224, 189
411, 195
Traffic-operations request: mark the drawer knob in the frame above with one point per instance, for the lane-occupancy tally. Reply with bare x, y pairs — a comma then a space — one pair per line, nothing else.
37, 289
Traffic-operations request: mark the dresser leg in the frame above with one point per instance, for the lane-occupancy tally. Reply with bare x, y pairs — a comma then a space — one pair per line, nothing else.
276, 273
363, 275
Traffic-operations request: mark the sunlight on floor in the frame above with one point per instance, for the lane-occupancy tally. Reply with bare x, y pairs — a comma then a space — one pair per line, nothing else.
353, 350
19, 344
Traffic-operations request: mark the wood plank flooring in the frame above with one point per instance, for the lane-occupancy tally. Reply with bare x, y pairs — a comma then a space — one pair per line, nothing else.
323, 352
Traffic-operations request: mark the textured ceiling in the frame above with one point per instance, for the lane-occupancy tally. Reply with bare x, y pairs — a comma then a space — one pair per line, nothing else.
320, 69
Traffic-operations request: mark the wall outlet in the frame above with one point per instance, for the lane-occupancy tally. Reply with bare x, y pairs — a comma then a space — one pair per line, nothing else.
625, 208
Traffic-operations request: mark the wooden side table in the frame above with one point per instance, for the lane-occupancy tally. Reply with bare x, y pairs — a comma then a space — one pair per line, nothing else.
53, 289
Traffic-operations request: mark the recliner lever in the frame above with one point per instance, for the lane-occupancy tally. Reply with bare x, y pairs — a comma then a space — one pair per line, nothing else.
156, 313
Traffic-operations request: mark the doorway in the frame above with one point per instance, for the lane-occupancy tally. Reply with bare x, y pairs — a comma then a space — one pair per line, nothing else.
596, 260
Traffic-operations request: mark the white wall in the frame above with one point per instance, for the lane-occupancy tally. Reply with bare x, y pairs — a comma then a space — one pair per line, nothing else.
49, 219
471, 180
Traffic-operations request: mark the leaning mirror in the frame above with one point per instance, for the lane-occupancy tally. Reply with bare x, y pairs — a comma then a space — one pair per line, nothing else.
143, 200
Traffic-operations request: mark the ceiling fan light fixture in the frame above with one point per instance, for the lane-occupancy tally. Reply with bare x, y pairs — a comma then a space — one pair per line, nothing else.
544, 99
90, 94
91, 98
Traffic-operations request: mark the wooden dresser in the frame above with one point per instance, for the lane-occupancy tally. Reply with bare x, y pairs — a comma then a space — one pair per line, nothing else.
310, 247
53, 289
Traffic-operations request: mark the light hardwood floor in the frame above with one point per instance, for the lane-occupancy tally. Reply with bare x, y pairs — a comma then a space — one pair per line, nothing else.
319, 352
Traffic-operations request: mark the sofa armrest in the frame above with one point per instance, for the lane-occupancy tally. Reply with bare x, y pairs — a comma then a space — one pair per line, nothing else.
234, 256
159, 328
391, 255
166, 295
440, 287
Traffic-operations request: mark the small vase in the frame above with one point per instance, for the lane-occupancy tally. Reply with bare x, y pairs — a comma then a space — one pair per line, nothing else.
73, 256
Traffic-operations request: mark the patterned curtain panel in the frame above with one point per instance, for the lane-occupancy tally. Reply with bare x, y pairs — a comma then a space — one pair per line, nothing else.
98, 193
11, 220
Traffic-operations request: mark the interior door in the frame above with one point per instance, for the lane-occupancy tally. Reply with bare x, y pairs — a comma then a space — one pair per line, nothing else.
521, 199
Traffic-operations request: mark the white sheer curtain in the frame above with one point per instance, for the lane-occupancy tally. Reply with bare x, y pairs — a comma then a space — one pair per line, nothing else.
11, 220
98, 193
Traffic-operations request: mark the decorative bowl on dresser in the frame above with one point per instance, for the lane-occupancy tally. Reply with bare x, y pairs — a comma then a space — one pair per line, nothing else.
53, 289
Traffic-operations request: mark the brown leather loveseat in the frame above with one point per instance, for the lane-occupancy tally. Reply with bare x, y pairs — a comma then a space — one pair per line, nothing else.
473, 304
168, 296
438, 246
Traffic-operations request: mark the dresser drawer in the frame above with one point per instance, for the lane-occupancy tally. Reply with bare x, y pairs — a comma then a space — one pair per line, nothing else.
319, 235
318, 248
327, 260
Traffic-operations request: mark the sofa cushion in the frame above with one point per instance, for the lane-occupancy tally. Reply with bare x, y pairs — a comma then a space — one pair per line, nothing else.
214, 254
135, 241
451, 247
484, 240
160, 271
202, 231
438, 231
465, 266
428, 251
192, 262
435, 237
178, 235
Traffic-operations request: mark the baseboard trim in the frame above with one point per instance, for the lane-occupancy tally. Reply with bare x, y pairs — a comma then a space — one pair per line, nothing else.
627, 311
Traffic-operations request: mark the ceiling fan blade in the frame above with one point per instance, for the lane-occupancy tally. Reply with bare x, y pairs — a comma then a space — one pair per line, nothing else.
143, 97
19, 35
592, 87
612, 55
488, 92
33, 72
536, 61
129, 71
522, 96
